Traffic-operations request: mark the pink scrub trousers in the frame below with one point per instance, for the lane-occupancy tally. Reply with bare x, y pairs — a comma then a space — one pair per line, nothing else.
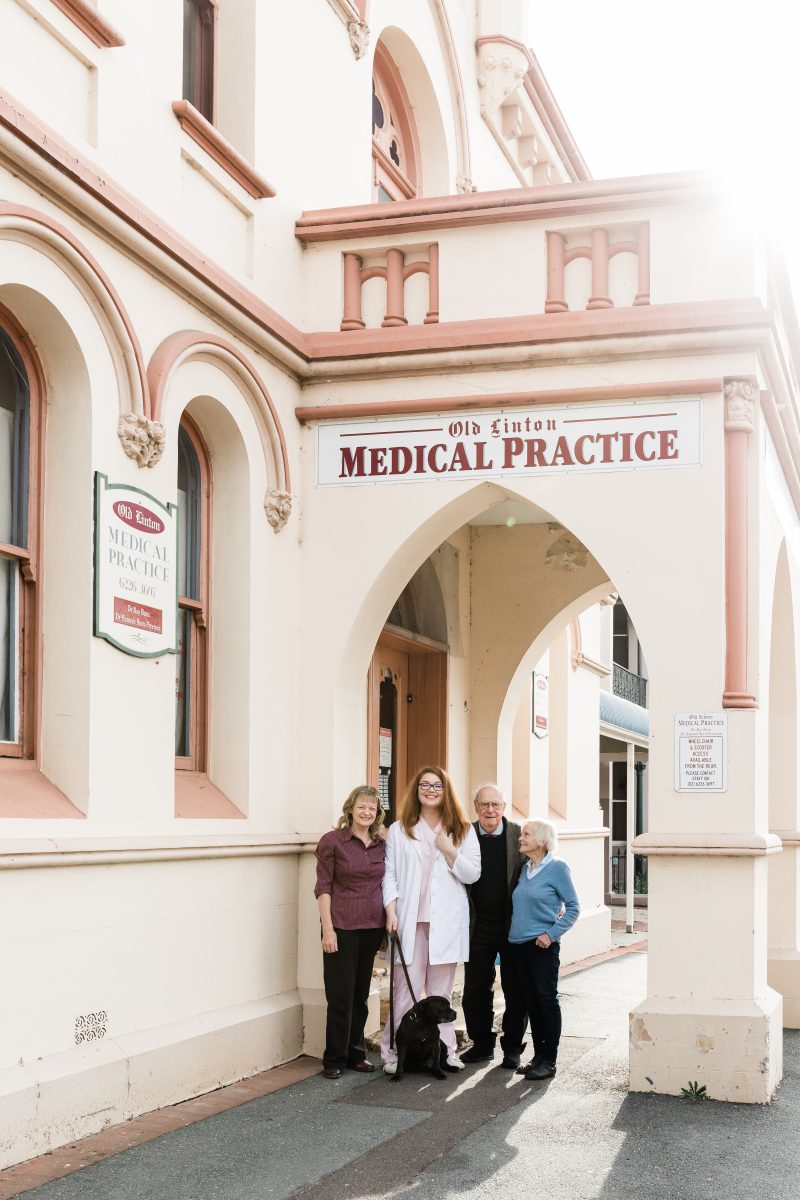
426, 980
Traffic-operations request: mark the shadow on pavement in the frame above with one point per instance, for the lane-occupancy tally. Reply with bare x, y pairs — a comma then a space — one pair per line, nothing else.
675, 1147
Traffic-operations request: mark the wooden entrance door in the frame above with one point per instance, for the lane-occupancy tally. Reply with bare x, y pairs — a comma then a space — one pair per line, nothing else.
392, 673
407, 710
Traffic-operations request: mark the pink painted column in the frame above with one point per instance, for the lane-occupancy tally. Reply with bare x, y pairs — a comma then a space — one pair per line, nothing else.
351, 314
599, 297
395, 287
555, 301
643, 291
432, 315
740, 397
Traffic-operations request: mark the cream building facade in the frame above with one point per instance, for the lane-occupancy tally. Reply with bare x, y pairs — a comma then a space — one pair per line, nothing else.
425, 403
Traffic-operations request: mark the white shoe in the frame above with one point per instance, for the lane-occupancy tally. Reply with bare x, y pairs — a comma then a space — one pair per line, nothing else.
390, 1068
453, 1062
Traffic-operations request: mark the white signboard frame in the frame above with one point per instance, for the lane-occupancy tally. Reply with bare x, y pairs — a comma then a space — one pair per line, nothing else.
135, 570
636, 435
701, 752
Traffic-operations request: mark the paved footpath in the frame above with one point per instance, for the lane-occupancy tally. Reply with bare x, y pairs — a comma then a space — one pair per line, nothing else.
481, 1134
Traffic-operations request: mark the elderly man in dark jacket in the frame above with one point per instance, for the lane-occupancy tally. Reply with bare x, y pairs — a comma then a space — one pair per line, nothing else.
490, 911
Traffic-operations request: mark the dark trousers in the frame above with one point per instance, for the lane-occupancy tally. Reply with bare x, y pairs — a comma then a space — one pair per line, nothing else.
347, 975
537, 972
487, 941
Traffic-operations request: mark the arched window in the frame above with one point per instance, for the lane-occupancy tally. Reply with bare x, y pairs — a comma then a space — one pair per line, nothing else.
191, 676
395, 145
19, 446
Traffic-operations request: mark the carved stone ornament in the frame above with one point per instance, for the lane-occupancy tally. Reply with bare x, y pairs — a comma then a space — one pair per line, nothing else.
740, 402
499, 76
278, 507
359, 37
567, 554
142, 439
465, 186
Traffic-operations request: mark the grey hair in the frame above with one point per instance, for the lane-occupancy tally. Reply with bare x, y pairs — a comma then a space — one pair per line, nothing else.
545, 834
489, 784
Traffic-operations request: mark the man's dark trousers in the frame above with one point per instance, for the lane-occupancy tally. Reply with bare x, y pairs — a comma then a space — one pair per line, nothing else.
488, 940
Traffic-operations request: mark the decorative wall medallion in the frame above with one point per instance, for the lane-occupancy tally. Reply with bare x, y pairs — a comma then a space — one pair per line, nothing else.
142, 439
567, 554
278, 507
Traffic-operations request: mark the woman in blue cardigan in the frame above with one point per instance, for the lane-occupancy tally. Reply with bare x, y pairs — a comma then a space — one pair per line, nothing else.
545, 906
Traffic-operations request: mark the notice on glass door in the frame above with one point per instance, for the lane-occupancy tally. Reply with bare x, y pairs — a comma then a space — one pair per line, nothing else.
701, 752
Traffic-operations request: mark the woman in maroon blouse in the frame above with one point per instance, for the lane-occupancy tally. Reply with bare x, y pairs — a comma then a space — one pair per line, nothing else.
350, 865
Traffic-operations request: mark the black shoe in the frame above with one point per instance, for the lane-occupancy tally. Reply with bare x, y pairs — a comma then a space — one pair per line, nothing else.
527, 1066
476, 1054
511, 1058
332, 1072
541, 1070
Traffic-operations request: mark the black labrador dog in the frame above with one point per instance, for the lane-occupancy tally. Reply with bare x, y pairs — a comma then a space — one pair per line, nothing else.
419, 1046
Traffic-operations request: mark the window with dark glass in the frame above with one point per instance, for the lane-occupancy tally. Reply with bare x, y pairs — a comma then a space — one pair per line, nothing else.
190, 675
198, 55
15, 604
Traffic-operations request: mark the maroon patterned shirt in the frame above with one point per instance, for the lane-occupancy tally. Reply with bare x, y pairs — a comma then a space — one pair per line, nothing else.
351, 874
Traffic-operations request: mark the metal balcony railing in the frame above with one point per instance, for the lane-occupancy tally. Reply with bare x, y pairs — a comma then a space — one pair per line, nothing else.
629, 686
619, 869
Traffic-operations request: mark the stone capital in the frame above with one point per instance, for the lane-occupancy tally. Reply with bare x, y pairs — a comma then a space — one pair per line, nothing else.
741, 393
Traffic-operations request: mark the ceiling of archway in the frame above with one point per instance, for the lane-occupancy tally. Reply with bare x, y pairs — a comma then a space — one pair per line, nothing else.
514, 512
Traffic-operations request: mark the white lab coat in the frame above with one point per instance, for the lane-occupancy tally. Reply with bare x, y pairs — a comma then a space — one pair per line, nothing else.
402, 881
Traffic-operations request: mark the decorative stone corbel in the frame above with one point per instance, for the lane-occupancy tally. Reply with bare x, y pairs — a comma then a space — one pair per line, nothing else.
500, 74
142, 439
278, 507
358, 32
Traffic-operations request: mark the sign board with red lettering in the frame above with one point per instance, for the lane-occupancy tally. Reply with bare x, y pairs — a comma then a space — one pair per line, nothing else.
540, 706
135, 576
701, 752
637, 435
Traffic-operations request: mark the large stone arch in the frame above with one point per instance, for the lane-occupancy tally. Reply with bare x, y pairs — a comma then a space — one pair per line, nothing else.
560, 593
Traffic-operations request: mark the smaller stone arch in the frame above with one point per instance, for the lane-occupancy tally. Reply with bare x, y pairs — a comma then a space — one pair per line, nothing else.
190, 345
58, 243
359, 34
426, 127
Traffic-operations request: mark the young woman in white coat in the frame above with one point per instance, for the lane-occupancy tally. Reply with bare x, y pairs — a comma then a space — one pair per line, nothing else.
432, 852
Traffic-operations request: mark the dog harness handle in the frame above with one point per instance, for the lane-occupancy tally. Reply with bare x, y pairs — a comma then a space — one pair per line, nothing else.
394, 940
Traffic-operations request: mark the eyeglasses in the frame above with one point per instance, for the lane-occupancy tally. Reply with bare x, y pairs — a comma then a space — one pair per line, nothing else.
431, 787
491, 804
